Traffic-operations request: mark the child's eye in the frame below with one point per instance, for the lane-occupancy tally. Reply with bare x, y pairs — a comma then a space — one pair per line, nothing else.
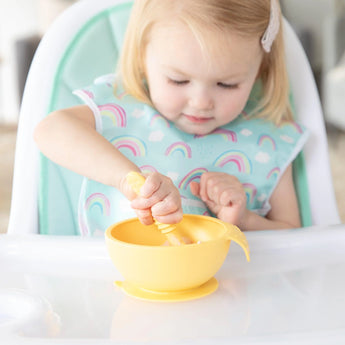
178, 82
227, 86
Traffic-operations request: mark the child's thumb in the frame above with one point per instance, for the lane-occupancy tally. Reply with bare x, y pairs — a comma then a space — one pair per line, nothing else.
195, 188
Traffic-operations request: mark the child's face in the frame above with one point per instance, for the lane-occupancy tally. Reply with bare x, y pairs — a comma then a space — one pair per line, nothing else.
196, 93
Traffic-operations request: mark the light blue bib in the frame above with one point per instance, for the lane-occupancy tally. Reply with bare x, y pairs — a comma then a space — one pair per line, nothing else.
256, 151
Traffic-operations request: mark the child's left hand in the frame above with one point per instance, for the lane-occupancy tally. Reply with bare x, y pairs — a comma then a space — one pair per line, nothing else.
223, 194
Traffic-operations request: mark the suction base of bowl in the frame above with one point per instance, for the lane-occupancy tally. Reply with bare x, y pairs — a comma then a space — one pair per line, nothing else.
169, 296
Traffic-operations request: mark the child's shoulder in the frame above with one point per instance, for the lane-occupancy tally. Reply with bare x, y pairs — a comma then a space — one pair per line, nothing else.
260, 133
101, 90
263, 126
250, 116
104, 89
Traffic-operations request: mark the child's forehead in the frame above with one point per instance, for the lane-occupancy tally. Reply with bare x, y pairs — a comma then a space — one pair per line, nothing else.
178, 47
212, 41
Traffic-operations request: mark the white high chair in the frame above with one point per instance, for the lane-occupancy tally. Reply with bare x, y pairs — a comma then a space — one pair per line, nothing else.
82, 44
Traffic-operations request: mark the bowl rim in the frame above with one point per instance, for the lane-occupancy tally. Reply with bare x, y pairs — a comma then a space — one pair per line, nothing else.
109, 237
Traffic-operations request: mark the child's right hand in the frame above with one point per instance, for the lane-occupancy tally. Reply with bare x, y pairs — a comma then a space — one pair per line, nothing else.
158, 199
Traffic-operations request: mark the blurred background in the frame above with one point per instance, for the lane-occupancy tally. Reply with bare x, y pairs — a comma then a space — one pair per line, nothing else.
320, 24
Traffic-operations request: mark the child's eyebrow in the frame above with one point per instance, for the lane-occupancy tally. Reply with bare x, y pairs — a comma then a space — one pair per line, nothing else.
236, 75
174, 69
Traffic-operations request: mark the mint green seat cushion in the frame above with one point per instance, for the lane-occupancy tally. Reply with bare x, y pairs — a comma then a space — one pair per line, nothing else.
92, 52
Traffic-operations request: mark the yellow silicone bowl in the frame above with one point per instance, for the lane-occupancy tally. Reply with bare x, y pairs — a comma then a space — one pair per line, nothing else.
138, 253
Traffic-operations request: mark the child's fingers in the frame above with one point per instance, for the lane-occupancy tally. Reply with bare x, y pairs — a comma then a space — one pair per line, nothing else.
223, 194
145, 216
167, 211
209, 185
158, 198
233, 214
152, 184
172, 218
170, 204
231, 197
220, 188
158, 188
203, 187
159, 201
195, 188
141, 203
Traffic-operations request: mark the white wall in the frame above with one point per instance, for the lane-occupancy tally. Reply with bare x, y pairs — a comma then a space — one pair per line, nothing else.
310, 15
317, 17
20, 19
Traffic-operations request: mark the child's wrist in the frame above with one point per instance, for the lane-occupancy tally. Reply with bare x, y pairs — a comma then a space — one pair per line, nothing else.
245, 220
121, 183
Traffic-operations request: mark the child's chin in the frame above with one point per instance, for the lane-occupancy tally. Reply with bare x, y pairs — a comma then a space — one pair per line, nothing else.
196, 130
203, 131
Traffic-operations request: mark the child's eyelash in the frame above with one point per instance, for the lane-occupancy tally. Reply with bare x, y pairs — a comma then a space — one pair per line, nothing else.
178, 82
228, 86
220, 84
184, 82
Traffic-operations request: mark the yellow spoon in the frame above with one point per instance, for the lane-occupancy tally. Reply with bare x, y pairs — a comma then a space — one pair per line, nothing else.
136, 181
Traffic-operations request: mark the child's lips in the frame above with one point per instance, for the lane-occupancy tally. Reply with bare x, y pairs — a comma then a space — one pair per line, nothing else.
197, 119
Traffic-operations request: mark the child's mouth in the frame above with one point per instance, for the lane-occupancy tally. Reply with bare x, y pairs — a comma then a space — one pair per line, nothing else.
197, 119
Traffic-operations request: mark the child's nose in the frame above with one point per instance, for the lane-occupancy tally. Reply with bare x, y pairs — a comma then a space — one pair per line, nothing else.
201, 99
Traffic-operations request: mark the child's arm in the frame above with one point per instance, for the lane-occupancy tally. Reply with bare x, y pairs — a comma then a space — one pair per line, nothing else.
225, 196
68, 137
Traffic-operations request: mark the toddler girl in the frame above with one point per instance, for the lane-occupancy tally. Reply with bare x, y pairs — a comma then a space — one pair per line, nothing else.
200, 106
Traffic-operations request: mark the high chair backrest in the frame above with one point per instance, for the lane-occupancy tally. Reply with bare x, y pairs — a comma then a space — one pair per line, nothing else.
82, 44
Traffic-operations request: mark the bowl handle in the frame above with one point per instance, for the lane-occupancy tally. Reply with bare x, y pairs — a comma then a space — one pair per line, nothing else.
233, 233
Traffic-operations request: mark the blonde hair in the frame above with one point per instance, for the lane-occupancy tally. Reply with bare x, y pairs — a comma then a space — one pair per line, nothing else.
248, 18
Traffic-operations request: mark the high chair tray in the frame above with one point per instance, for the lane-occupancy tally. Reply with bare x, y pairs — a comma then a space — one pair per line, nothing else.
60, 290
